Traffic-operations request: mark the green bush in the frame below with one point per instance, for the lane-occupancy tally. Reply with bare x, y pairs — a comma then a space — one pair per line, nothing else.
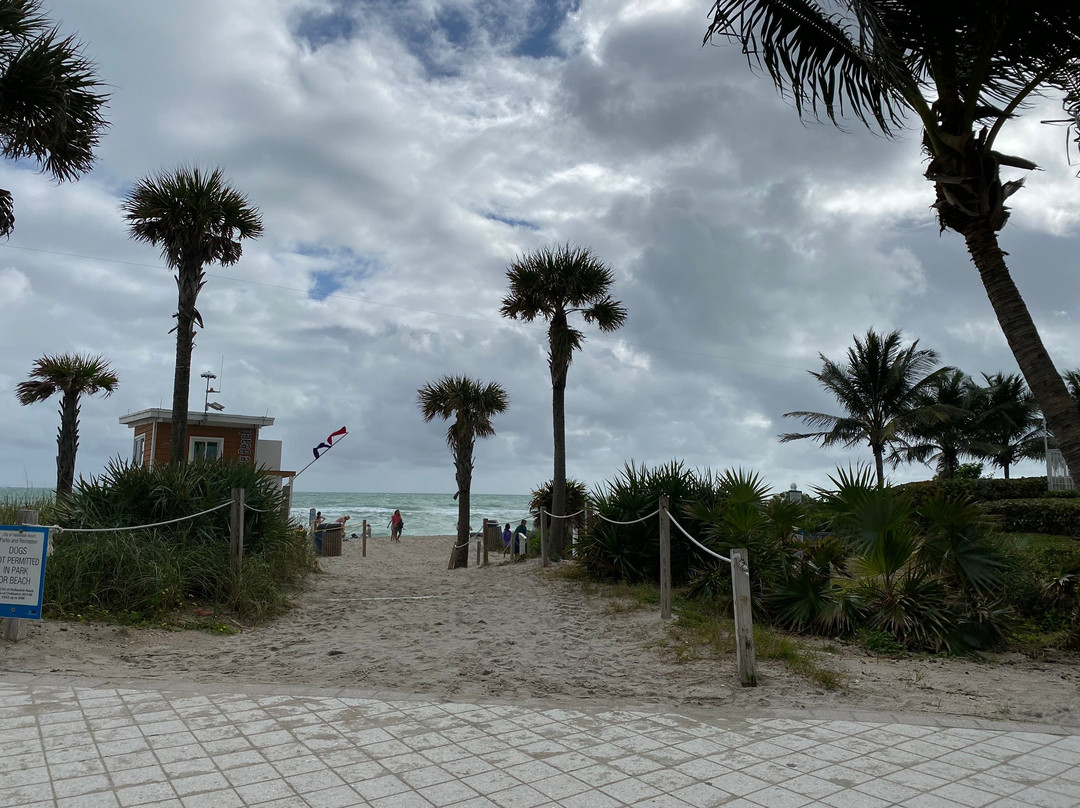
159, 569
979, 490
632, 551
1054, 516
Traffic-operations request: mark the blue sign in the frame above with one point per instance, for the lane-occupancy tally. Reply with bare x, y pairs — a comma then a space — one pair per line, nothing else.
22, 570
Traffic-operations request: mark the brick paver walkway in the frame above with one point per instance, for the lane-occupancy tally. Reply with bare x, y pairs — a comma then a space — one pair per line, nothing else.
77, 743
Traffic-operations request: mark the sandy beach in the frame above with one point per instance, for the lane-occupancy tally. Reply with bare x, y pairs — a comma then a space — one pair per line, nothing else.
399, 620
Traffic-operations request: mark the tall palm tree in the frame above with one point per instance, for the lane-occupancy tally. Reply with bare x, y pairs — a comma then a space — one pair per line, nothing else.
553, 283
1007, 425
196, 218
964, 68
881, 388
472, 405
50, 99
71, 375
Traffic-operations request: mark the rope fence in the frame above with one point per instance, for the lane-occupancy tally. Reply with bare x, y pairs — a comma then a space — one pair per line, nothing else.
59, 529
696, 543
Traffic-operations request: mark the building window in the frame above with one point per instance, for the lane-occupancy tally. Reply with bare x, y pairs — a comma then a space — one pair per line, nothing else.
138, 452
205, 448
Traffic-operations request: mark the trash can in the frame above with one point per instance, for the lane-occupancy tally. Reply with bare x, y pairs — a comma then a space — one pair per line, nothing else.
328, 540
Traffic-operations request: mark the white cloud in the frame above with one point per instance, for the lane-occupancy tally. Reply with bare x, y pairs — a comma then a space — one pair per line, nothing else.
405, 173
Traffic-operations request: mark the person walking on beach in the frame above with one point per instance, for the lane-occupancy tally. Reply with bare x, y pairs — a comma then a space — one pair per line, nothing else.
521, 536
507, 537
396, 525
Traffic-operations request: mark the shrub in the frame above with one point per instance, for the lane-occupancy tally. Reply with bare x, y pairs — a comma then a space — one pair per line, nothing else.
1054, 516
980, 490
632, 551
146, 572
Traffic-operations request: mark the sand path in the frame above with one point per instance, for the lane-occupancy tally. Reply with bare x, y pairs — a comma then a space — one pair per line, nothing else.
399, 620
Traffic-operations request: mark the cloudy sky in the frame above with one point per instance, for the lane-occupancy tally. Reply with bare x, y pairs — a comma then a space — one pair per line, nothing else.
403, 152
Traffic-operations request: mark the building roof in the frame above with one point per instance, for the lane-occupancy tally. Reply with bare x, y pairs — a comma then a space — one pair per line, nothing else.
209, 419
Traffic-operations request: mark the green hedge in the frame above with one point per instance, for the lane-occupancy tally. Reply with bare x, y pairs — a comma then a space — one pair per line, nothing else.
1056, 516
981, 490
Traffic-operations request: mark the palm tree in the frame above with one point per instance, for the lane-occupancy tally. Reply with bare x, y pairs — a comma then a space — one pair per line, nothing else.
965, 69
472, 405
1072, 384
944, 437
50, 99
71, 375
1007, 424
553, 283
197, 219
881, 388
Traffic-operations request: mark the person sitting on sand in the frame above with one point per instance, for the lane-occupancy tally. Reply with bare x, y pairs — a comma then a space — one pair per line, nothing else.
396, 525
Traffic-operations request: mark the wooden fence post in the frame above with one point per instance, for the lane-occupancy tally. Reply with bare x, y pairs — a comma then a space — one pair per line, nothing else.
744, 623
15, 629
665, 559
236, 531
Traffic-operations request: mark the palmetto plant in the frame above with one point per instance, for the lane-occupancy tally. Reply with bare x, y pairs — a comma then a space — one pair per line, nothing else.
197, 218
50, 98
472, 405
881, 388
72, 376
963, 69
553, 283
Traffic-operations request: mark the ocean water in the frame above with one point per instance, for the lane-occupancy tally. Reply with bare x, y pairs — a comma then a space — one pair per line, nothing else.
424, 514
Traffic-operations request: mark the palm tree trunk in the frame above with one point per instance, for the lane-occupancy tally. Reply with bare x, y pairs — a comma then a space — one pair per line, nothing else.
879, 465
187, 281
459, 559
67, 443
557, 535
1061, 413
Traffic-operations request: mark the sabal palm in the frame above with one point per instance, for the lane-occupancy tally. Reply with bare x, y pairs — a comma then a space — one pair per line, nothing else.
964, 68
553, 283
50, 98
472, 405
1007, 425
71, 375
881, 389
197, 218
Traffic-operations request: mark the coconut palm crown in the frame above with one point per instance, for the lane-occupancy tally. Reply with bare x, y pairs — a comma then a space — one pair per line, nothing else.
963, 69
882, 388
197, 218
553, 283
71, 375
472, 405
51, 101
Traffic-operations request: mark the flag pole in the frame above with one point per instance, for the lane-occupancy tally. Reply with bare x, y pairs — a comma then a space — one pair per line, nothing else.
309, 465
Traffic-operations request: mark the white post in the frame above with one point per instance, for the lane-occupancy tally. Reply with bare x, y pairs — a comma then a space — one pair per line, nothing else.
665, 559
744, 623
